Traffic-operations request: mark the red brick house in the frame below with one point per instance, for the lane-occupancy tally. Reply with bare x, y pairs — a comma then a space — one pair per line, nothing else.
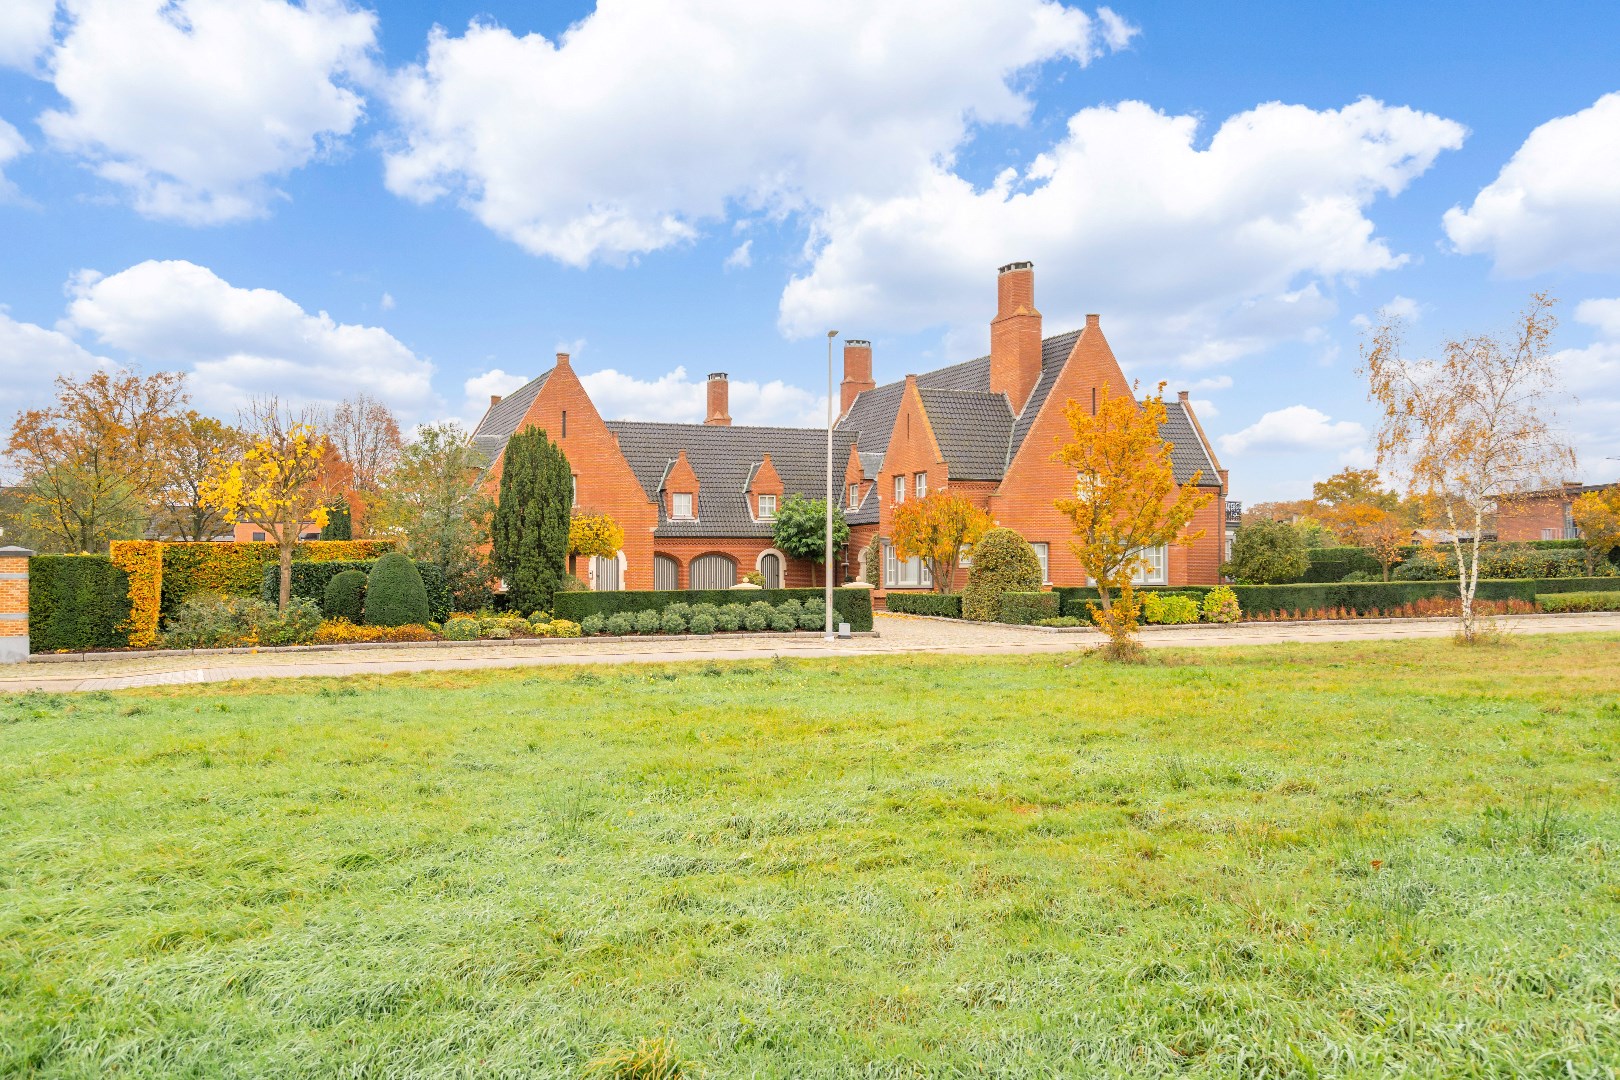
697, 500
1541, 515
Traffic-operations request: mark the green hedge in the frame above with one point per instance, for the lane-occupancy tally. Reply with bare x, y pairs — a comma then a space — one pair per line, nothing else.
76, 602
1331, 564
1580, 601
309, 580
1357, 596
853, 606
1027, 608
947, 605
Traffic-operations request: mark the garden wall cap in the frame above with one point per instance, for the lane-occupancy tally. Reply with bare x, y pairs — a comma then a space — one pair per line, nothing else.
14, 552
857, 585
744, 585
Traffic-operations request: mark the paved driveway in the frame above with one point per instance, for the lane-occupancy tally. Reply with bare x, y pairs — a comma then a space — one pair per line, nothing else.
896, 634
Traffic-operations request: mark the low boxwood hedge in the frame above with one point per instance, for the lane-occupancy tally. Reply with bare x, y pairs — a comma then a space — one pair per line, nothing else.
76, 602
946, 605
309, 580
1579, 601
853, 606
1027, 608
1357, 596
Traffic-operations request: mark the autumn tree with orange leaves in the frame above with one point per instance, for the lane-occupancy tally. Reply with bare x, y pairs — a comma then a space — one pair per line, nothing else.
1470, 427
1126, 501
935, 528
278, 483
1597, 515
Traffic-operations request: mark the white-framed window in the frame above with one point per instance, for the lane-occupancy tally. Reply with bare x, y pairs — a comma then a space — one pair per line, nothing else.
680, 505
964, 557
899, 489
1156, 572
1043, 552
920, 486
854, 495
573, 488
1549, 534
767, 507
901, 573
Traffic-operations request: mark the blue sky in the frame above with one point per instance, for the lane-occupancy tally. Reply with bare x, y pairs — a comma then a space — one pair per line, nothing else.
424, 201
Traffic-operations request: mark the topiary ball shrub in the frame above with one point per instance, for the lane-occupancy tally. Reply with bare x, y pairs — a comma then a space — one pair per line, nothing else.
395, 595
593, 625
620, 623
673, 622
1003, 562
757, 616
345, 597
727, 618
784, 621
814, 617
648, 622
701, 623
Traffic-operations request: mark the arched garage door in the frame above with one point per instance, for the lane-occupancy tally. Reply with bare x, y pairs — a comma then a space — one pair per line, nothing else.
771, 567
713, 572
666, 572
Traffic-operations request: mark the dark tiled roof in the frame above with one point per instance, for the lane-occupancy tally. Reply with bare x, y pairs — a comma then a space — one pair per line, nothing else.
724, 459
500, 422
867, 512
1188, 454
972, 429
1054, 354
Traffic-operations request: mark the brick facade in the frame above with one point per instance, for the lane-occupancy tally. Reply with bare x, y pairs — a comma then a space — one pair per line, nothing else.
13, 604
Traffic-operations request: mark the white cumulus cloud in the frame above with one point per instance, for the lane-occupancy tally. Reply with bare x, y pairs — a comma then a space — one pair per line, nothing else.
32, 357
1296, 428
12, 146
676, 397
1592, 374
1556, 203
741, 257
646, 119
1193, 255
194, 106
238, 342
25, 31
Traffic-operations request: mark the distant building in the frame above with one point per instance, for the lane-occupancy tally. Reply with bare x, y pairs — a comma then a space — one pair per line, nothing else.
1542, 515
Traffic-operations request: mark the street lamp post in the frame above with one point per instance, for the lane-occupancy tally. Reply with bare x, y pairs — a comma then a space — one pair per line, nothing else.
827, 560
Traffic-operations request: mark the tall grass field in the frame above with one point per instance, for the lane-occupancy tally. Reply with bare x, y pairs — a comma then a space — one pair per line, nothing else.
1296, 861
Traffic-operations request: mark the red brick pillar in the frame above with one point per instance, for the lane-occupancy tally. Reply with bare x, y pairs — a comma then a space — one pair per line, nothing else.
13, 604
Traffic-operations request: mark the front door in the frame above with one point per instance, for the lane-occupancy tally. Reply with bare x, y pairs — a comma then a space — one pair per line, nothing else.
771, 567
604, 574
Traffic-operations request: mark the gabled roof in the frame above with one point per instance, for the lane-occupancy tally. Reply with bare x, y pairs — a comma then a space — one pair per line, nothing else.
1188, 454
725, 459
972, 428
501, 422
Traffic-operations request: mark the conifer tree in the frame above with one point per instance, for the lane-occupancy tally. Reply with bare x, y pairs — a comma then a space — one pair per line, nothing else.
532, 513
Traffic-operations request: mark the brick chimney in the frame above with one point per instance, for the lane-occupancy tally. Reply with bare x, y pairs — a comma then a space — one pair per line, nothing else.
562, 360
494, 399
719, 400
1015, 335
857, 372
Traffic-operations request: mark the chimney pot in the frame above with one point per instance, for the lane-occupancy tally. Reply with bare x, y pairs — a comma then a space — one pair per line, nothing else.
719, 400
562, 359
494, 399
857, 373
1094, 320
1015, 335
1182, 395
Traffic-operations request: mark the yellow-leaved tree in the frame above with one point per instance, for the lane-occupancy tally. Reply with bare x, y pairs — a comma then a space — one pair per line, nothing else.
277, 483
1469, 428
1597, 515
935, 528
1126, 501
595, 535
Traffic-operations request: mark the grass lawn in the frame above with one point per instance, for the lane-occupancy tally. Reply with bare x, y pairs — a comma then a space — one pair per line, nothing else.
1339, 860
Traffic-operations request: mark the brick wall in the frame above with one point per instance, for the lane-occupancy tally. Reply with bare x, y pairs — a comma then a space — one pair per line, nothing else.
796, 573
1528, 518
13, 604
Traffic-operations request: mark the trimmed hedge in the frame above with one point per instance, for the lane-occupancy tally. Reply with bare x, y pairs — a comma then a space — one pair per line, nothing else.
1580, 601
345, 597
395, 595
309, 580
76, 602
853, 606
238, 569
1330, 564
946, 605
1027, 608
1358, 596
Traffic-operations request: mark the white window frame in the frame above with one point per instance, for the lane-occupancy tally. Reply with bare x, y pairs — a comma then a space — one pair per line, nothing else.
1043, 554
908, 574
573, 489
763, 501
899, 488
1157, 572
854, 495
919, 486
676, 510
964, 557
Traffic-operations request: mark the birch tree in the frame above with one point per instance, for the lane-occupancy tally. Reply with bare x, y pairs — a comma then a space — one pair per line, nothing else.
1469, 427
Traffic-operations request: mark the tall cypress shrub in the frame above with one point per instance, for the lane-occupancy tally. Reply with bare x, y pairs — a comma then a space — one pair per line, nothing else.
530, 530
338, 524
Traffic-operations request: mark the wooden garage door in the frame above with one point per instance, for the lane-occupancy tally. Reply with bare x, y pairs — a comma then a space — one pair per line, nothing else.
713, 572
771, 567
666, 572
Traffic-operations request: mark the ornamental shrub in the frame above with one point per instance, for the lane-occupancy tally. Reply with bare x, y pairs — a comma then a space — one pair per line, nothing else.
142, 560
297, 625
1169, 609
784, 621
395, 595
757, 616
728, 618
648, 622
594, 624
1266, 552
1422, 566
681, 608
221, 622
1220, 605
565, 628
76, 602
344, 632
1579, 601
461, 628
701, 623
853, 606
1003, 562
711, 610
1026, 608
672, 622
621, 623
813, 617
792, 607
533, 512
944, 605
1064, 621
345, 597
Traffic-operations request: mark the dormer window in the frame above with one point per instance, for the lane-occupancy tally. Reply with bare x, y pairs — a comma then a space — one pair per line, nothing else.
680, 505
767, 507
854, 495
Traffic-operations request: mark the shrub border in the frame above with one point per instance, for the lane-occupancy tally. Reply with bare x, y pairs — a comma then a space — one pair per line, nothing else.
853, 606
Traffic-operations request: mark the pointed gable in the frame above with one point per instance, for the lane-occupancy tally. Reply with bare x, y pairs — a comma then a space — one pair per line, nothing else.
681, 479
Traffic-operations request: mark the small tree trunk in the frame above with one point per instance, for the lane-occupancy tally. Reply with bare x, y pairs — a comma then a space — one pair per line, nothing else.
286, 576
